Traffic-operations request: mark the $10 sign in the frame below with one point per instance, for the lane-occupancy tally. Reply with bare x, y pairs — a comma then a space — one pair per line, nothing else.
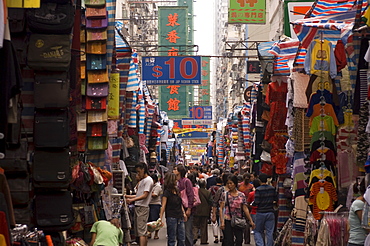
167, 70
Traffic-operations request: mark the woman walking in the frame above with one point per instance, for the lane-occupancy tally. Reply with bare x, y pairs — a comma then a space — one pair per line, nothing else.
175, 213
234, 203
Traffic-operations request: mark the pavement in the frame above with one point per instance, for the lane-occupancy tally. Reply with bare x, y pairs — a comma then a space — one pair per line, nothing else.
162, 241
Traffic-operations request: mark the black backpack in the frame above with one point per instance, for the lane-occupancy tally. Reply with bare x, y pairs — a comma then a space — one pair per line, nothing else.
51, 18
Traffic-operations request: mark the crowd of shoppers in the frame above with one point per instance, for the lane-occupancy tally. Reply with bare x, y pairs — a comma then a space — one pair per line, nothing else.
189, 199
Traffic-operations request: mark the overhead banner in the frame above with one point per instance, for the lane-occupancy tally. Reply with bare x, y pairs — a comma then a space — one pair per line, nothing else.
247, 11
171, 70
204, 88
172, 30
174, 99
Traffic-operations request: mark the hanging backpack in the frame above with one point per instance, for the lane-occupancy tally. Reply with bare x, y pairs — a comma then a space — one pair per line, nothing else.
51, 18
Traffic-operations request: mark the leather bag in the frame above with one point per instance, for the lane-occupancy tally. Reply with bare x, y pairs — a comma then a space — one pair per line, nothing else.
236, 222
49, 52
51, 90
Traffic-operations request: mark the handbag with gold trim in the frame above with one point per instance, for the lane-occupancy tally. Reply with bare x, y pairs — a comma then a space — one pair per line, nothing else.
100, 76
96, 34
96, 47
96, 12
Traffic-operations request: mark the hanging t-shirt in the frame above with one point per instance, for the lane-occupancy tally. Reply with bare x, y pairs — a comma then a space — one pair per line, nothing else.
322, 135
322, 197
329, 155
323, 123
327, 109
320, 58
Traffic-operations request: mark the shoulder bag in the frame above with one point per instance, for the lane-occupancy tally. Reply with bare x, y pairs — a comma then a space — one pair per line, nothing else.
236, 222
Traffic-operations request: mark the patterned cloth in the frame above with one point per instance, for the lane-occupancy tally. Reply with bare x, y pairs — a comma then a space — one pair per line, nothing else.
111, 9
284, 210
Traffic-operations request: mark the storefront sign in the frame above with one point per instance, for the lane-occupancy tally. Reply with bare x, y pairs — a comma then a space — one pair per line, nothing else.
113, 99
204, 88
167, 70
253, 67
172, 30
201, 112
174, 99
194, 134
195, 122
247, 11
294, 10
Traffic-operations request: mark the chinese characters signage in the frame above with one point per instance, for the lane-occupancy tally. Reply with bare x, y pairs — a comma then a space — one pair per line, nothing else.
204, 88
247, 11
169, 70
175, 72
172, 30
175, 100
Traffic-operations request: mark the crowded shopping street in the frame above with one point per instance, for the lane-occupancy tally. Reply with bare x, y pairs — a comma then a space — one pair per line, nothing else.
184, 122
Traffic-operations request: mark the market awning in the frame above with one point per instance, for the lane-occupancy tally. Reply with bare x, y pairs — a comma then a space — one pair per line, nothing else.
329, 19
265, 57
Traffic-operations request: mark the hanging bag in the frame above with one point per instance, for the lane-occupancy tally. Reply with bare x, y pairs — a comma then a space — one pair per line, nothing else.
49, 52
236, 222
51, 18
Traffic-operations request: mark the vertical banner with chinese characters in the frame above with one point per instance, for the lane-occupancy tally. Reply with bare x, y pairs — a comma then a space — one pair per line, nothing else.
247, 11
172, 39
172, 30
204, 88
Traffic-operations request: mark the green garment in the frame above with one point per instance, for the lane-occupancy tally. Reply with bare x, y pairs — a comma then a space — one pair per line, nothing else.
107, 233
327, 136
322, 123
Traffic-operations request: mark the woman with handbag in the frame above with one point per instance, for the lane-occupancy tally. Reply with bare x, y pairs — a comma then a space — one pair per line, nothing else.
175, 213
232, 218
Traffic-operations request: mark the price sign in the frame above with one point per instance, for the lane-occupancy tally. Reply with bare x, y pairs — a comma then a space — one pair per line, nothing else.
201, 112
171, 70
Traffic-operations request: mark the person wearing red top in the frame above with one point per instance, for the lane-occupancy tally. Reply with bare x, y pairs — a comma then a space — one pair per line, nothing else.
250, 199
246, 187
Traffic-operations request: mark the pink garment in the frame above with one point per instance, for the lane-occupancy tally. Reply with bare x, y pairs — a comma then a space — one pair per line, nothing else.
347, 168
300, 83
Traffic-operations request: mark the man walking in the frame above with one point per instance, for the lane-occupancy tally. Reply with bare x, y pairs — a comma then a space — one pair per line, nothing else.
141, 199
265, 197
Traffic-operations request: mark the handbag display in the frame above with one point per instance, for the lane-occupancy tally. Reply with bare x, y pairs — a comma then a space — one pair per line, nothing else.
236, 222
97, 23
96, 34
96, 47
96, 13
53, 210
97, 143
49, 52
97, 116
51, 168
51, 129
97, 76
17, 20
96, 103
97, 129
97, 89
51, 90
96, 62
51, 18
94, 3
19, 186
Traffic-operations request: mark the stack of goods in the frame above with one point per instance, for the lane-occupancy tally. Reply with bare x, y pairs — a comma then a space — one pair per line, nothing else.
49, 55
